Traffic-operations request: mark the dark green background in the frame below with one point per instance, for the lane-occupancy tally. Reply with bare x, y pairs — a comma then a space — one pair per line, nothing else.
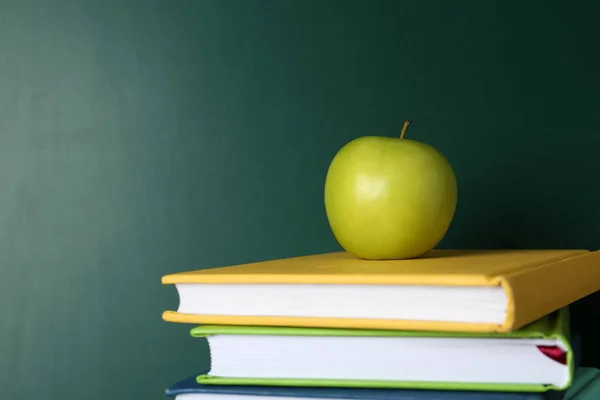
139, 138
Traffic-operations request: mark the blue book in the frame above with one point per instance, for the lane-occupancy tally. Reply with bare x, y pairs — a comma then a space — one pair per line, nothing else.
190, 389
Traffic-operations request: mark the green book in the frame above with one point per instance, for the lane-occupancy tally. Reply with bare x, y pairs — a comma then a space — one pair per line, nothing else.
536, 358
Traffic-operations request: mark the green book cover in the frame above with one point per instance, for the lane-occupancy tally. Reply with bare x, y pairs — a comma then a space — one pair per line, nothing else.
552, 327
586, 385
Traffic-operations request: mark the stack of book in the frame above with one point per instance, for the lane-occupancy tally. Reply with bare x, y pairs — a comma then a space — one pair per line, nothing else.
449, 325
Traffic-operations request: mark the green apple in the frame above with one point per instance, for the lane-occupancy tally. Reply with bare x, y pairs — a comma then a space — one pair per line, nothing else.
389, 198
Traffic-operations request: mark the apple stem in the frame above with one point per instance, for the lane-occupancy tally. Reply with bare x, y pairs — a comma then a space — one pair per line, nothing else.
405, 128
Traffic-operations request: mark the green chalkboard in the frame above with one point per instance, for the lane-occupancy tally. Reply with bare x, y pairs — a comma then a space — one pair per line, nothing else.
139, 138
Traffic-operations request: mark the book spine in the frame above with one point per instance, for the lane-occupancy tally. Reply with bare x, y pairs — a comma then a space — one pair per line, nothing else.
538, 291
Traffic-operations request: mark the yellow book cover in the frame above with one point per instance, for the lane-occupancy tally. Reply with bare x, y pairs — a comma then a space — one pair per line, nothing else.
445, 290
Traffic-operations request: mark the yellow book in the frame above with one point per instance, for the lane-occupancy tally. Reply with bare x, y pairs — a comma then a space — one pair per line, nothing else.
446, 290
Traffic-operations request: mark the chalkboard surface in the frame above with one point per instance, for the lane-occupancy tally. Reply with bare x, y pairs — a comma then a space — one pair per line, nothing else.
140, 138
